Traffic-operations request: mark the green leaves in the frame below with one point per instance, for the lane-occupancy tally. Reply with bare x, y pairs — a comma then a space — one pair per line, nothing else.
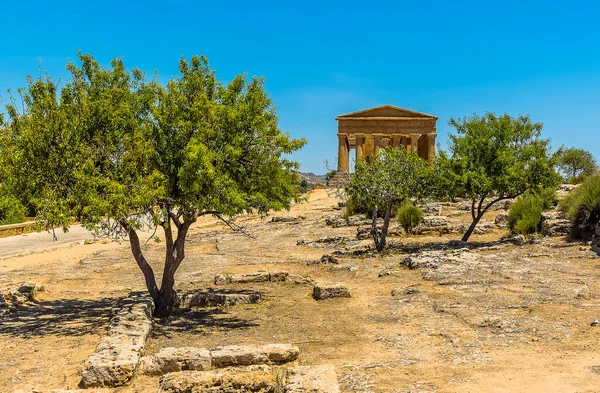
110, 143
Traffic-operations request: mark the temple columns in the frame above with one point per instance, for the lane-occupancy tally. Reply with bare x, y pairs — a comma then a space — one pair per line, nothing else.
359, 147
431, 148
396, 141
343, 153
377, 143
414, 143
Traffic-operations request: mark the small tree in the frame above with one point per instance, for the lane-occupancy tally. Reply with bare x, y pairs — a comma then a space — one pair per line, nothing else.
111, 145
494, 158
386, 181
575, 164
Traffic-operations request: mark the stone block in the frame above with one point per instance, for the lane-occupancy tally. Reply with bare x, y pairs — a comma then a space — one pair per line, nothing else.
328, 291
254, 379
176, 359
311, 379
245, 355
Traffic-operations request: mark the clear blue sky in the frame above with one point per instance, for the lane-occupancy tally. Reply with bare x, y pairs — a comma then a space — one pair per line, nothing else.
321, 59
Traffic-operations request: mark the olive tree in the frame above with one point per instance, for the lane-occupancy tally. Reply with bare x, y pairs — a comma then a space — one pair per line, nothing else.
384, 182
112, 145
493, 158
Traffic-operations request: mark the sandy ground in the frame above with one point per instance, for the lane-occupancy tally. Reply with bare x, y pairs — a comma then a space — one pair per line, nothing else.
512, 319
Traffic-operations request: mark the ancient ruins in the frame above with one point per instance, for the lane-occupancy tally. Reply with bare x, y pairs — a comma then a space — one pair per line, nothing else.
369, 130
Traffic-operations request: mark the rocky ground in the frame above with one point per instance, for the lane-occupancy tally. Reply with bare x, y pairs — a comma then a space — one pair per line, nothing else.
432, 315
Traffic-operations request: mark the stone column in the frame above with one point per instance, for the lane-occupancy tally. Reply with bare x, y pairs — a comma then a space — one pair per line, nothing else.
431, 147
377, 143
414, 143
343, 154
396, 141
360, 139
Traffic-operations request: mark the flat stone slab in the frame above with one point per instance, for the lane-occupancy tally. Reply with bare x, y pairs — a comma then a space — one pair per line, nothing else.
254, 379
311, 379
169, 360
115, 359
214, 299
263, 276
237, 355
329, 291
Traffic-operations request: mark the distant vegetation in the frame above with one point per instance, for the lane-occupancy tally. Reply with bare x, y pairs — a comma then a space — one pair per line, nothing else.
575, 164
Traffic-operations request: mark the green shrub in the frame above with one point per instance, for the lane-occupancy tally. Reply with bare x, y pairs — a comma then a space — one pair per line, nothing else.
409, 216
525, 215
12, 210
582, 207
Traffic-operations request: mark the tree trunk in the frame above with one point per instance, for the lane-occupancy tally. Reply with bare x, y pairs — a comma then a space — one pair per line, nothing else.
469, 231
384, 229
165, 301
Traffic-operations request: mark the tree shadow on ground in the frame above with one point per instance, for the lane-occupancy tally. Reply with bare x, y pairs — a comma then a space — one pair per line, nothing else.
62, 317
199, 321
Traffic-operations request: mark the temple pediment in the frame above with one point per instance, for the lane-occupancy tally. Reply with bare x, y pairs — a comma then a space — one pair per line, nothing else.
385, 112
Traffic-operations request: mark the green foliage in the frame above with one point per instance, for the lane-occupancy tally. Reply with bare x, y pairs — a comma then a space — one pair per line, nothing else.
387, 180
582, 207
111, 144
575, 164
525, 215
496, 157
11, 209
409, 216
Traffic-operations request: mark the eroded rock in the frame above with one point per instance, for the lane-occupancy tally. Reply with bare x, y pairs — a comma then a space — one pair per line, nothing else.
214, 299
236, 355
328, 291
263, 276
254, 379
116, 358
176, 359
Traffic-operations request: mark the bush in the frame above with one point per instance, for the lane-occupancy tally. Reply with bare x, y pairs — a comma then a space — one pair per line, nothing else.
12, 210
409, 216
582, 207
525, 215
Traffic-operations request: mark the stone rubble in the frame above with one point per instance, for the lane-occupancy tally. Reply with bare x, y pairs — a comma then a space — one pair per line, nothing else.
262, 276
20, 295
215, 299
287, 218
116, 358
327, 242
328, 291
554, 223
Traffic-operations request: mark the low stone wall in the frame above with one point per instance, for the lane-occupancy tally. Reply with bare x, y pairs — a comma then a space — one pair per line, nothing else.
17, 229
215, 299
116, 358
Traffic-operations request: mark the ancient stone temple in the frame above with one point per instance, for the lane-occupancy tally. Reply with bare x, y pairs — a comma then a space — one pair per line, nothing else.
370, 130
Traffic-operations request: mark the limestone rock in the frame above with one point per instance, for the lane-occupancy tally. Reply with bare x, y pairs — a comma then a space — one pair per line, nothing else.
116, 358
311, 379
438, 224
595, 246
432, 208
213, 299
564, 189
405, 291
287, 218
483, 227
502, 220
558, 227
235, 355
262, 276
176, 359
246, 380
332, 241
328, 291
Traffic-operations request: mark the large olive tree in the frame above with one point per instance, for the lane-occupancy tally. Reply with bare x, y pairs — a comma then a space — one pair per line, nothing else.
111, 145
493, 158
